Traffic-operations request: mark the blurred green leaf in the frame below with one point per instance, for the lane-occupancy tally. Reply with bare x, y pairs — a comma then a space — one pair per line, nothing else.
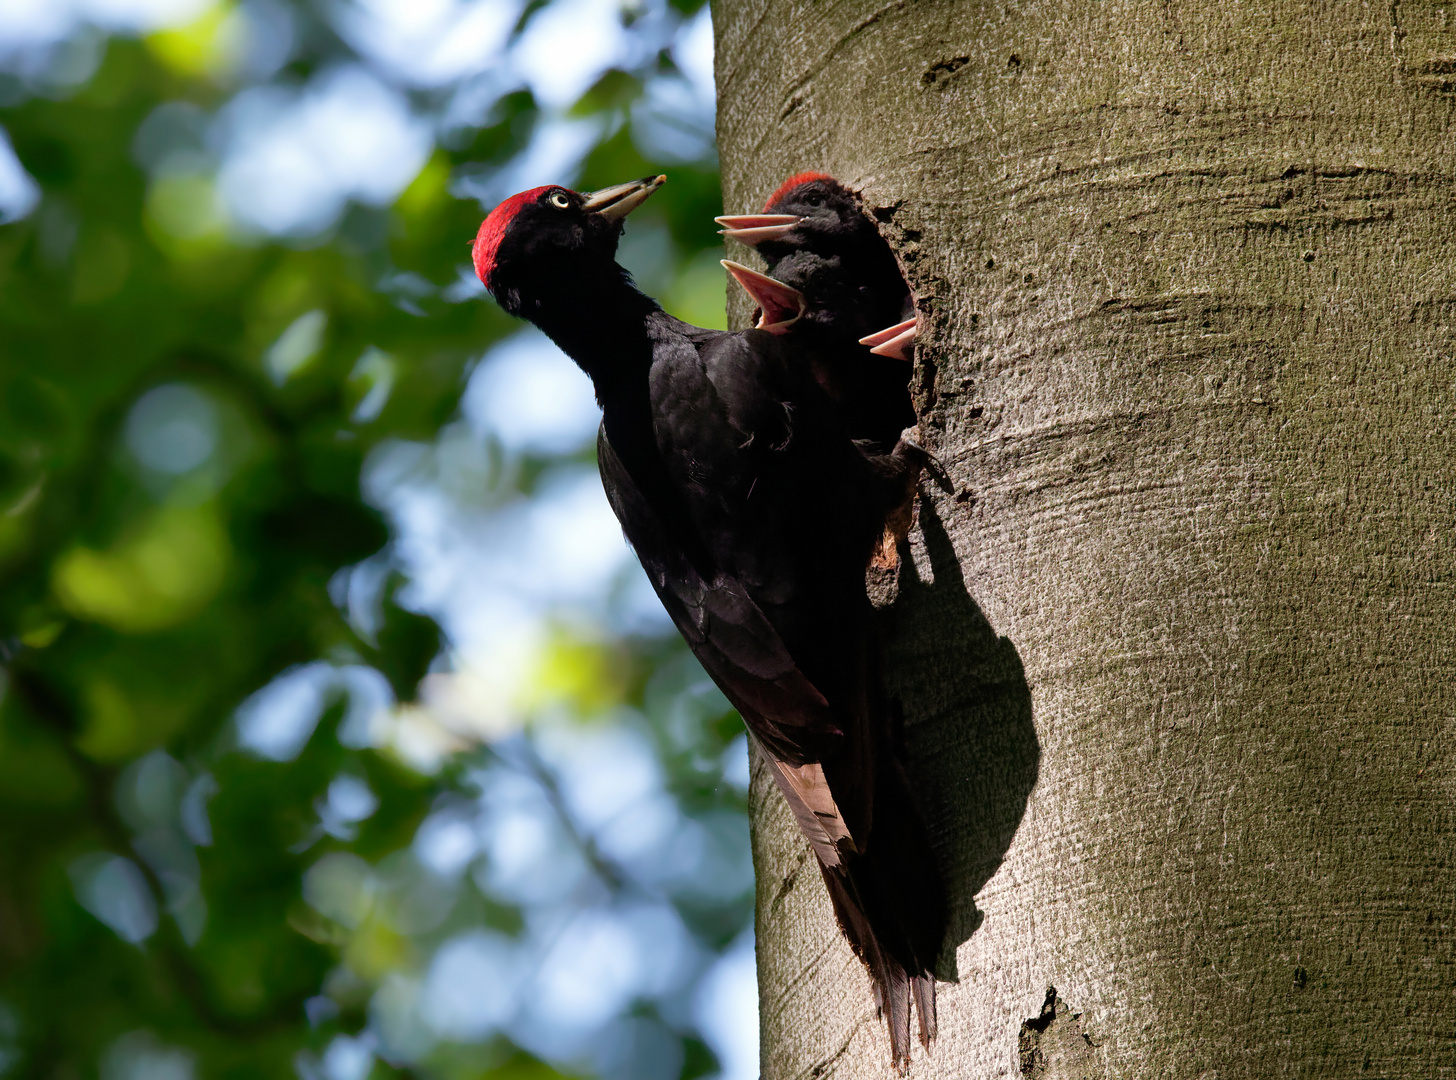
616, 89
189, 412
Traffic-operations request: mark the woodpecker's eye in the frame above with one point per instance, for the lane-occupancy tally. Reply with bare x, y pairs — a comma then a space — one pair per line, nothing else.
559, 200
814, 199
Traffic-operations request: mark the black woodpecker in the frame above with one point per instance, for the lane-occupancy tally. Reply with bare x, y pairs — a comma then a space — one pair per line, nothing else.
754, 513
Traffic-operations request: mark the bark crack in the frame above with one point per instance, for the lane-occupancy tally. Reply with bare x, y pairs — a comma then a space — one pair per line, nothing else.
822, 1067
786, 886
819, 65
1053, 1045
785, 992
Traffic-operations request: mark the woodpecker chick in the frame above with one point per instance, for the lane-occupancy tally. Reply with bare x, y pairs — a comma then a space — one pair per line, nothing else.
812, 214
816, 237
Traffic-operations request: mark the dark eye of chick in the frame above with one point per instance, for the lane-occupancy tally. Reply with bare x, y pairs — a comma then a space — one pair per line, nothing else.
814, 199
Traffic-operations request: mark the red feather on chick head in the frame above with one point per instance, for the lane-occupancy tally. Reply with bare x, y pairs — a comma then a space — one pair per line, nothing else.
793, 182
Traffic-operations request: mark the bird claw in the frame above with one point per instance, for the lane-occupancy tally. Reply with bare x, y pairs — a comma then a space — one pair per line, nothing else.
909, 446
780, 305
893, 341
911, 461
754, 229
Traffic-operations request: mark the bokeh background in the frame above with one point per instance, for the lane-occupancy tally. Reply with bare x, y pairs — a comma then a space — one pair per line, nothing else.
340, 734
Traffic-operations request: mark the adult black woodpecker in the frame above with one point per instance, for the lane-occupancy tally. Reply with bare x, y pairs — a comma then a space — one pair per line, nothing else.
754, 514
816, 237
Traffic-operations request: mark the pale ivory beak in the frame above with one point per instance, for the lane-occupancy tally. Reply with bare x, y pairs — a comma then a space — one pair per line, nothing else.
615, 203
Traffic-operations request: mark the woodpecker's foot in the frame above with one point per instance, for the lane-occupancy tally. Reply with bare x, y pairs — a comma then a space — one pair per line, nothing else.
901, 469
754, 229
779, 305
895, 341
909, 447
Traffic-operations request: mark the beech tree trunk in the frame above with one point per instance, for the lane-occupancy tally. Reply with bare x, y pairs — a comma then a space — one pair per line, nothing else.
1177, 654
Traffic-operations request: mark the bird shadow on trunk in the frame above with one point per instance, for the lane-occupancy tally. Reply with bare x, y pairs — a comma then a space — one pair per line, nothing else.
971, 747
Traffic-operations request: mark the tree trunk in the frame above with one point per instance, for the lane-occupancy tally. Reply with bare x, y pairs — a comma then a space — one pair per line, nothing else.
1176, 655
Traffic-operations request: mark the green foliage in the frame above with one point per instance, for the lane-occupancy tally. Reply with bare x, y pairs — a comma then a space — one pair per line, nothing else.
186, 413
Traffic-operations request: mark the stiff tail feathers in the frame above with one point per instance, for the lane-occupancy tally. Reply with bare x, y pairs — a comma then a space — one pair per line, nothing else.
890, 903
857, 811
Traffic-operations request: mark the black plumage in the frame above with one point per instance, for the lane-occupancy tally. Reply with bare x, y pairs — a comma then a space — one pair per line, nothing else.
815, 236
754, 515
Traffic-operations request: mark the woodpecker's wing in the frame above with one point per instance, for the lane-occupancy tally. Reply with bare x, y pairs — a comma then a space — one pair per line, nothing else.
742, 653
742, 501
727, 632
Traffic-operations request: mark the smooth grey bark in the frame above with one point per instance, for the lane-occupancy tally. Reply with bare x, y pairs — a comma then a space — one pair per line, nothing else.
1188, 292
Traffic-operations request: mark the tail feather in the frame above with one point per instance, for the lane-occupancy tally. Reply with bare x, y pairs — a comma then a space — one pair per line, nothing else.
895, 987
890, 903
898, 1014
857, 810
923, 987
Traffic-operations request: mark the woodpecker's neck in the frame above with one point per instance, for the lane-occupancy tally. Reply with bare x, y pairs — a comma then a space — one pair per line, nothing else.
600, 320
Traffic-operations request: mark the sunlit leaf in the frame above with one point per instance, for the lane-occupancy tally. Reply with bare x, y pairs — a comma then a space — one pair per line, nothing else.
261, 771
210, 44
161, 574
